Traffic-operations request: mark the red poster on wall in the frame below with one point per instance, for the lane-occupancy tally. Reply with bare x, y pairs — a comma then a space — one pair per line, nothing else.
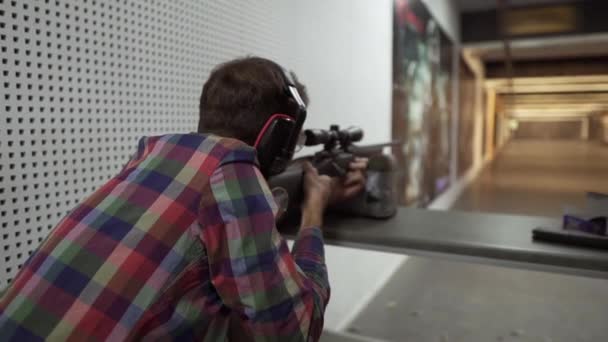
422, 69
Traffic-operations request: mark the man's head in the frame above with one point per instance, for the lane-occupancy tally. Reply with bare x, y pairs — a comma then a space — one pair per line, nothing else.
240, 96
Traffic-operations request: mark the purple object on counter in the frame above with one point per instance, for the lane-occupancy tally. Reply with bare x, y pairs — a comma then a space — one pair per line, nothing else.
596, 225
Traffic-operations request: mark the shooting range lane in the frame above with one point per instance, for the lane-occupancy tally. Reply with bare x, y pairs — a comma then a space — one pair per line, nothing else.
487, 238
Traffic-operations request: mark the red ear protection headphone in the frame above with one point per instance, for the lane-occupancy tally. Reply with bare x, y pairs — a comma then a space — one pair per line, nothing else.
279, 136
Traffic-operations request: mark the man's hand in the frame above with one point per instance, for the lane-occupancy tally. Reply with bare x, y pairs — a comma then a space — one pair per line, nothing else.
352, 184
322, 191
317, 192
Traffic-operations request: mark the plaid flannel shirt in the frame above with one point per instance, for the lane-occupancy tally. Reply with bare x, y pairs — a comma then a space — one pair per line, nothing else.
181, 244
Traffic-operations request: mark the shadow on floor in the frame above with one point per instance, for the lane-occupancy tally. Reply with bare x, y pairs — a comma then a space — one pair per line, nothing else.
331, 336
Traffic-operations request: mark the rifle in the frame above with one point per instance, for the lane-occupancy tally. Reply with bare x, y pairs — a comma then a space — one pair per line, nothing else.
378, 200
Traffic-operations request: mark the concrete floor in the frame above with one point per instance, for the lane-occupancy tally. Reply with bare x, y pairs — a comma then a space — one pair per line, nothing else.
437, 300
440, 301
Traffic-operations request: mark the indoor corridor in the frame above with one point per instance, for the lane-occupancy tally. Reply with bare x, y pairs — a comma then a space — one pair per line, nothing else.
151, 170
538, 177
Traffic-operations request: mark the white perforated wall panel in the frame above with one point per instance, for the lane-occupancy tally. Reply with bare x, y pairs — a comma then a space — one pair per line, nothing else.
82, 80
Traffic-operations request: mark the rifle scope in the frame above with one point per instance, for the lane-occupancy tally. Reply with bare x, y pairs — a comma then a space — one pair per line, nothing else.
332, 136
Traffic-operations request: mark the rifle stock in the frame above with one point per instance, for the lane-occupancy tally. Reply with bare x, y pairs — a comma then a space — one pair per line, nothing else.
292, 181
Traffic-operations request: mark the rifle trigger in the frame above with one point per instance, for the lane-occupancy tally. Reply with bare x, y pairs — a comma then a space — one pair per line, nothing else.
340, 171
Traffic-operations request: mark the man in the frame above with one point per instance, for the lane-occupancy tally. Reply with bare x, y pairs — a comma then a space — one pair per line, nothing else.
182, 243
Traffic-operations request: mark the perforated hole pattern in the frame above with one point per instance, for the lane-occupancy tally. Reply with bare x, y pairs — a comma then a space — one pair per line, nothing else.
83, 80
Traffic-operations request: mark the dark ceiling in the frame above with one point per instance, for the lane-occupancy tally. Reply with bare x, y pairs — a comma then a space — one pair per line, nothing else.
480, 5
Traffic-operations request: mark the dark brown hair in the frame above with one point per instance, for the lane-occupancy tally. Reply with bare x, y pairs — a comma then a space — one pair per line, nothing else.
241, 95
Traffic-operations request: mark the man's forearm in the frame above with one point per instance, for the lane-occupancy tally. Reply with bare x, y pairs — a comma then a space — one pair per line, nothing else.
311, 218
309, 252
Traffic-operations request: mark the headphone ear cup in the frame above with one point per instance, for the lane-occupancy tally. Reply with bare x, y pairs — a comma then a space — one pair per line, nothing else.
272, 145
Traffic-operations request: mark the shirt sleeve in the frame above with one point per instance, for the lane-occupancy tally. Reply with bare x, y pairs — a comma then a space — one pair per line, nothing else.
277, 294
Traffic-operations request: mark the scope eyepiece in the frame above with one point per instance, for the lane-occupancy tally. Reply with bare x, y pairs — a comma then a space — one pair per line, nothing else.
317, 137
